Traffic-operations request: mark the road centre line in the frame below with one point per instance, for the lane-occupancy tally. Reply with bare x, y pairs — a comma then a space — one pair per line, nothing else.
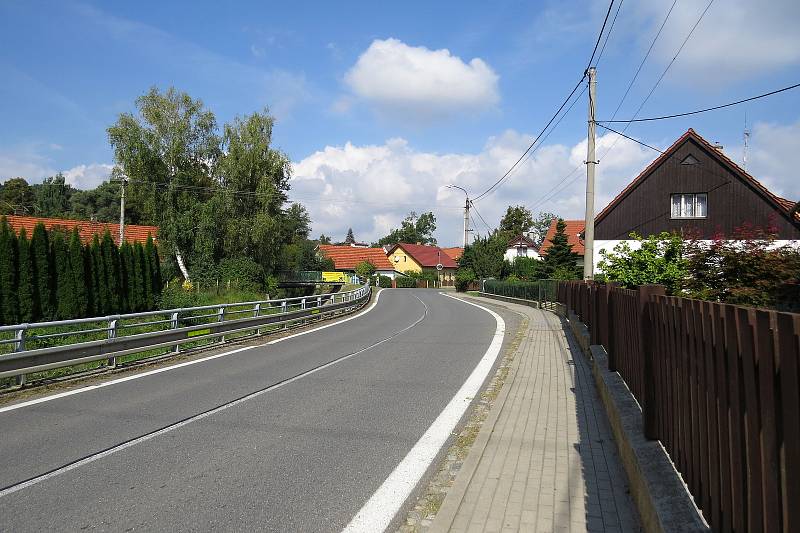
179, 365
386, 502
194, 418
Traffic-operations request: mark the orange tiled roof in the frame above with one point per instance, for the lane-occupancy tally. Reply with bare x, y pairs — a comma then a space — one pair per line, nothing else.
574, 227
86, 228
454, 252
427, 256
347, 257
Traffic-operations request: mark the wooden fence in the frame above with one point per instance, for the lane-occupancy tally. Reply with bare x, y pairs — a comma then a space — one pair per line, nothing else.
719, 386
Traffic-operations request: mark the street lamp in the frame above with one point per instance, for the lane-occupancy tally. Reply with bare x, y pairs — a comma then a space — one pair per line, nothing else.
466, 212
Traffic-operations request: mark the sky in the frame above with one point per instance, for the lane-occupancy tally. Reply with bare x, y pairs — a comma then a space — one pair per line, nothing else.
381, 105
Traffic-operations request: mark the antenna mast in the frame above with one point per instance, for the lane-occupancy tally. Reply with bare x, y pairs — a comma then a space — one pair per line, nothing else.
746, 142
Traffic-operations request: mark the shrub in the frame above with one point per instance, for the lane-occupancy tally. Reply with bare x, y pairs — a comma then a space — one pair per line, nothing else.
659, 259
464, 276
384, 281
365, 269
515, 289
406, 283
242, 272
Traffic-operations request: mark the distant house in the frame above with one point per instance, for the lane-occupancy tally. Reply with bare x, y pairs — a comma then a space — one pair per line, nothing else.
695, 190
521, 246
346, 257
87, 229
422, 258
455, 252
574, 232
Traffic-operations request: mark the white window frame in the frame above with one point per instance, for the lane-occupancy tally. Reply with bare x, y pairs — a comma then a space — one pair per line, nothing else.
688, 200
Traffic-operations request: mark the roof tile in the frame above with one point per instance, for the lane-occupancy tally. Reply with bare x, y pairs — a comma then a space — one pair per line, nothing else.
87, 229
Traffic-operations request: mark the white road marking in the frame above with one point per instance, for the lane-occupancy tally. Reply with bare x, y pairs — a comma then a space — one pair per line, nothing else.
385, 503
178, 365
144, 438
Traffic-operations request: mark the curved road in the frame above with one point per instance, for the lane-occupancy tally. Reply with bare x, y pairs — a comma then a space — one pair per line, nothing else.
235, 443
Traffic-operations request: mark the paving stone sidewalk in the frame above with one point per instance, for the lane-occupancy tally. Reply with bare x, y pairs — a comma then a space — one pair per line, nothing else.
545, 459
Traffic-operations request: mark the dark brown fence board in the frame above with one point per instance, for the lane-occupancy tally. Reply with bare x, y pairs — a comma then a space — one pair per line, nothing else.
752, 419
714, 492
769, 402
738, 460
789, 364
723, 418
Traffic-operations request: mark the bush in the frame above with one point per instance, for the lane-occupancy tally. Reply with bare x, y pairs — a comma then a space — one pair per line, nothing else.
406, 283
384, 281
464, 276
242, 272
514, 289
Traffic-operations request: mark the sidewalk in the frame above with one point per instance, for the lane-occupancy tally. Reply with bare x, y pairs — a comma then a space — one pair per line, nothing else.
544, 459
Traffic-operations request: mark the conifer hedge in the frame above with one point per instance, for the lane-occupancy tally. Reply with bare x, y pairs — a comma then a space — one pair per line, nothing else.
54, 276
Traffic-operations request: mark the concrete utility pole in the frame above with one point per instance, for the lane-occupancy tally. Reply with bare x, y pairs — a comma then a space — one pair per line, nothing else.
122, 210
466, 213
591, 162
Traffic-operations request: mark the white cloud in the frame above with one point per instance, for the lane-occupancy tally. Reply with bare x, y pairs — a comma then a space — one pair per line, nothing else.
88, 176
770, 158
737, 39
371, 188
400, 79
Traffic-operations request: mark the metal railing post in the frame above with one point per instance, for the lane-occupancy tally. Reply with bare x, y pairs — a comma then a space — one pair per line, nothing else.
284, 310
221, 318
256, 314
173, 324
112, 334
303, 306
19, 346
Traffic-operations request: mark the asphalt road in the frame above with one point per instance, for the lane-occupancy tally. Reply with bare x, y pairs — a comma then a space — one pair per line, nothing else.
304, 456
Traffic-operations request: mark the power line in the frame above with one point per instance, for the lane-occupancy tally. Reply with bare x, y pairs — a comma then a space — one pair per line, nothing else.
705, 110
630, 138
489, 229
610, 29
600, 36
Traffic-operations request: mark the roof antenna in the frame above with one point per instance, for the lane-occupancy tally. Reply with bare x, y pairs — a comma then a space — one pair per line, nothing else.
746, 142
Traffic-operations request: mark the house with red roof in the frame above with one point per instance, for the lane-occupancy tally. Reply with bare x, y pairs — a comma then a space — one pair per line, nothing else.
423, 258
87, 229
574, 232
521, 246
455, 252
346, 257
692, 189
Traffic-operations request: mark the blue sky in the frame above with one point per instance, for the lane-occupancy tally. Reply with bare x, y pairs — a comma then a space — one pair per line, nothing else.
381, 106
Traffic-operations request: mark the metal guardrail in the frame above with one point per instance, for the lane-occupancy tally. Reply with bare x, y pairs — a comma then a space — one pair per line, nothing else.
180, 326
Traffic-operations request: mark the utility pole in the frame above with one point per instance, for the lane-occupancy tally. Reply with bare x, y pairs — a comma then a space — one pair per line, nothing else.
466, 212
591, 162
122, 210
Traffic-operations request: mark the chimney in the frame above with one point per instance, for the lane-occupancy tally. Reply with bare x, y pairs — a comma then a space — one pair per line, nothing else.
717, 146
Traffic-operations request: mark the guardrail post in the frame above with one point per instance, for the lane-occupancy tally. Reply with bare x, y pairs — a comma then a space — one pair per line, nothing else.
221, 318
319, 303
112, 334
256, 314
284, 310
19, 346
173, 324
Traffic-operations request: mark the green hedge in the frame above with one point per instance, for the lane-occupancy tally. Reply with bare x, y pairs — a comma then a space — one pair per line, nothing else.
406, 283
54, 276
516, 289
384, 281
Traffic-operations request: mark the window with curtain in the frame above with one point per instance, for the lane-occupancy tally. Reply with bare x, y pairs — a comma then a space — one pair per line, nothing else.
689, 205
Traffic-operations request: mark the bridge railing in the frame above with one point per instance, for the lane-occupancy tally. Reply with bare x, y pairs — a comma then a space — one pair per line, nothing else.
43, 346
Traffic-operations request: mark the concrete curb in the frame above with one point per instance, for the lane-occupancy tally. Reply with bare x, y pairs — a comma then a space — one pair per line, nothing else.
661, 497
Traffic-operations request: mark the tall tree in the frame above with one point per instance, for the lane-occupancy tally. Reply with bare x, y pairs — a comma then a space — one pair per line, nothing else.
53, 197
126, 275
560, 261
64, 283
540, 226
414, 229
99, 281
25, 281
43, 273
151, 251
9, 308
139, 264
110, 254
168, 151
323, 239
350, 239
80, 305
16, 196
484, 257
518, 219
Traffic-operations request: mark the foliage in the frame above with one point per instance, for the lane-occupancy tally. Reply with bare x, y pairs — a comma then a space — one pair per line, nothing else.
485, 256
8, 274
405, 282
658, 259
242, 273
42, 273
748, 271
323, 239
527, 268
16, 194
77, 274
25, 280
464, 276
365, 269
517, 220
384, 281
424, 275
350, 238
513, 289
540, 226
560, 260
414, 229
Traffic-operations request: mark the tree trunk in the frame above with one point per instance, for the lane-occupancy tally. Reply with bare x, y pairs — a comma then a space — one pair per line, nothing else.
181, 265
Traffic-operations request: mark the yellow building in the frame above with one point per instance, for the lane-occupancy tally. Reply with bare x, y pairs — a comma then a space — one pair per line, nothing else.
421, 258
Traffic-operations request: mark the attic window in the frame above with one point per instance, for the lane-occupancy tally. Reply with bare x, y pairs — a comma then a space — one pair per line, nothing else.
690, 160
